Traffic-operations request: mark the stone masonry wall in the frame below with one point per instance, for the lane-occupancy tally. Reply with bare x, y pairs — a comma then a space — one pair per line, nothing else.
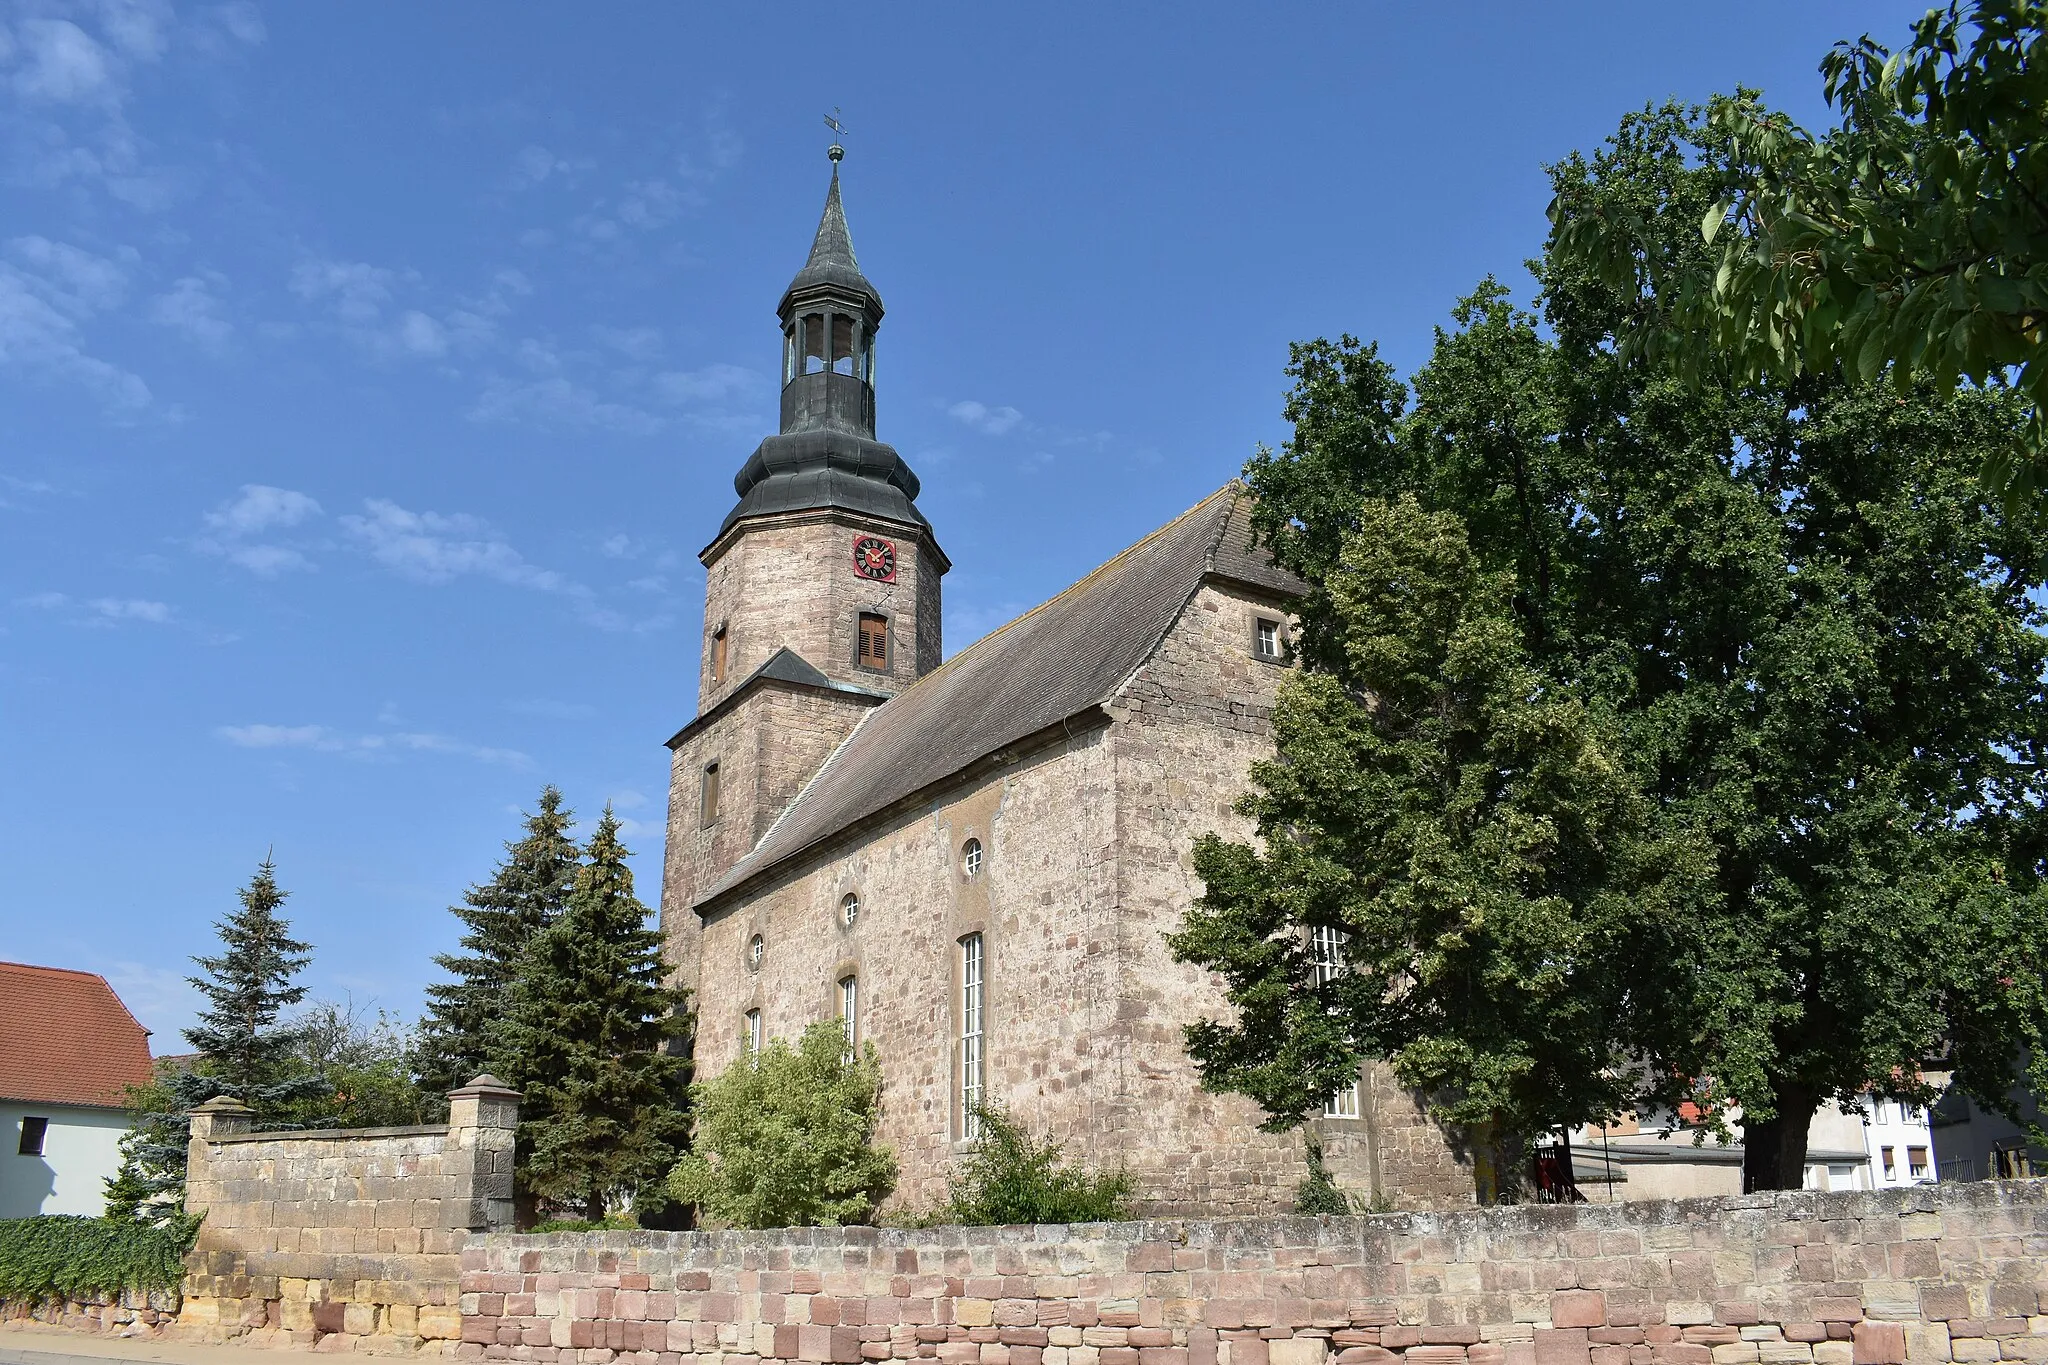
1920, 1276
347, 1239
1190, 725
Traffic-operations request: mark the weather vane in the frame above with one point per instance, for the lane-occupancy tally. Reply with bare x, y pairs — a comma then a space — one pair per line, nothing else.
835, 151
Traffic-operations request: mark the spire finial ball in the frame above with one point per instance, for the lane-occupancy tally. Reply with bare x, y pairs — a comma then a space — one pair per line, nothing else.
836, 153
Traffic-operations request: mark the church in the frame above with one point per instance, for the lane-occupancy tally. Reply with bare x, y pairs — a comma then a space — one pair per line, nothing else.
972, 862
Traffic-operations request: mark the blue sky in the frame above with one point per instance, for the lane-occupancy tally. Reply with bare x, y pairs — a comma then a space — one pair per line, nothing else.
371, 375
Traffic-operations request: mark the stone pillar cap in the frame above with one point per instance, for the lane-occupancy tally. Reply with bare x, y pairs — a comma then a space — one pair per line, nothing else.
486, 1084
222, 1104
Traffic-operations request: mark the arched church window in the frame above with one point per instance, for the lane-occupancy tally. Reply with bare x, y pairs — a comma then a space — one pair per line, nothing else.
849, 910
811, 341
849, 1010
757, 950
843, 341
970, 858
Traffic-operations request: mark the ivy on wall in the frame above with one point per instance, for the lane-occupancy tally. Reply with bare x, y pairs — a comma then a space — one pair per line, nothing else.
68, 1257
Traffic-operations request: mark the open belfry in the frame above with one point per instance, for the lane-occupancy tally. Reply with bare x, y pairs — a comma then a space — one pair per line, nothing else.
972, 863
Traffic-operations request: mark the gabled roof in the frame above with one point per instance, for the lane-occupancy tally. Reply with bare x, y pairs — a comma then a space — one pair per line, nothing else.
785, 665
66, 1038
1051, 664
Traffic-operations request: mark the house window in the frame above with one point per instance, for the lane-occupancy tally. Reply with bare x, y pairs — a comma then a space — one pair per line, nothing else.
971, 1056
753, 1022
756, 950
874, 641
718, 655
1326, 953
970, 858
707, 796
33, 1131
849, 1009
1266, 639
849, 909
1342, 1104
1889, 1157
1917, 1164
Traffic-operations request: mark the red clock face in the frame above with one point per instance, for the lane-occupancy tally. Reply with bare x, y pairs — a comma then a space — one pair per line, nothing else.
874, 558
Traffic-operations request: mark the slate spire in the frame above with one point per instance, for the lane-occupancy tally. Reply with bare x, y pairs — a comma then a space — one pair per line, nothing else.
831, 261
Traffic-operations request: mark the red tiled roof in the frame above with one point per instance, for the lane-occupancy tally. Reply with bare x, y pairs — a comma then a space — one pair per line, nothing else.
66, 1038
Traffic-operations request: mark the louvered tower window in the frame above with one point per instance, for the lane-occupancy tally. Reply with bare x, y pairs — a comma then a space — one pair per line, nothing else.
874, 640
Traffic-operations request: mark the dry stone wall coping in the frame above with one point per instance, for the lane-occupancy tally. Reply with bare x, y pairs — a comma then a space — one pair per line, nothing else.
1916, 1277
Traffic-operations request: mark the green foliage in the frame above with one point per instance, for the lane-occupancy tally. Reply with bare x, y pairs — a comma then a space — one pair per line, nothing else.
1008, 1178
1652, 733
149, 1187
615, 1222
65, 1257
592, 1037
367, 1064
249, 1056
528, 892
1317, 1194
785, 1137
1913, 236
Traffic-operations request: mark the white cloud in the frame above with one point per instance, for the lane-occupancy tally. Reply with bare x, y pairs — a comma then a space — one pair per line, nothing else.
709, 384
535, 165
321, 739
191, 308
983, 418
260, 507
257, 509
101, 611
48, 291
434, 548
635, 343
356, 290
421, 335
62, 64
557, 401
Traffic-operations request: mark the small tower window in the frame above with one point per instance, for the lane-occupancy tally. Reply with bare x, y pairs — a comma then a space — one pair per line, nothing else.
874, 641
707, 796
849, 910
718, 655
757, 949
970, 858
753, 1032
1266, 639
849, 1009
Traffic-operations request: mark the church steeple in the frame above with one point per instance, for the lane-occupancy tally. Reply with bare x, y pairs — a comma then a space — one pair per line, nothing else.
826, 454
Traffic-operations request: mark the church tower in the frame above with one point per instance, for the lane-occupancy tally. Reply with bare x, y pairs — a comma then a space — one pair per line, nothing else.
821, 594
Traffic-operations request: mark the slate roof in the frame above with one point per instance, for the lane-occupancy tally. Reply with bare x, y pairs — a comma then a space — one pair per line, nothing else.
798, 470
1050, 664
785, 665
66, 1038
831, 260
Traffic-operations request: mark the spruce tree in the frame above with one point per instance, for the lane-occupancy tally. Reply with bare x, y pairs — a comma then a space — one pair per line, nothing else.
501, 916
591, 1038
244, 1053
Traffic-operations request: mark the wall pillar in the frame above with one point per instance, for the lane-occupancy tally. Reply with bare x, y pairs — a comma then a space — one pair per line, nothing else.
483, 1118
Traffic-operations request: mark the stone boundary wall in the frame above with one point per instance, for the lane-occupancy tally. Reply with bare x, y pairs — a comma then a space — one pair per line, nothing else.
342, 1239
130, 1313
1903, 1277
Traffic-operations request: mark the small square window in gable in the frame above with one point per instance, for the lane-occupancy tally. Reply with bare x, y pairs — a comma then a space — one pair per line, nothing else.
1267, 639
874, 641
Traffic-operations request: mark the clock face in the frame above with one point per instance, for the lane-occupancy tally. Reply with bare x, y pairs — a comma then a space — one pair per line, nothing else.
874, 558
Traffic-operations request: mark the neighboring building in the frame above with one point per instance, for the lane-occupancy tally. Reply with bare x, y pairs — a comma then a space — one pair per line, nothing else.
973, 864
68, 1047
1881, 1145
1972, 1143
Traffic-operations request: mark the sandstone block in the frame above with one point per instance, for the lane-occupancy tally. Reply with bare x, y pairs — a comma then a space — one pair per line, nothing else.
1834, 1353
1879, 1343
1974, 1350
1562, 1346
1578, 1308
1299, 1351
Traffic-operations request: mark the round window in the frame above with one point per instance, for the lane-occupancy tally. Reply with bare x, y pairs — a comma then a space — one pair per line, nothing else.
849, 910
756, 950
970, 857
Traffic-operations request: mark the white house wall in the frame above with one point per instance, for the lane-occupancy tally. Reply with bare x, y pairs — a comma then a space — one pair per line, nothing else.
81, 1150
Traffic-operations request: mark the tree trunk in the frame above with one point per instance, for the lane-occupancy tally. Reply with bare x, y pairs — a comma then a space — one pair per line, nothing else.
1774, 1149
593, 1207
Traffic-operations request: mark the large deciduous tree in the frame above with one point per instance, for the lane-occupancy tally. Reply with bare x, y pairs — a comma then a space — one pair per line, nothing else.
1737, 783
592, 1037
1912, 237
500, 917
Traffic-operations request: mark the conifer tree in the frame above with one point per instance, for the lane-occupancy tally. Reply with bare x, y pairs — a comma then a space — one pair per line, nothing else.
590, 1037
501, 916
245, 1054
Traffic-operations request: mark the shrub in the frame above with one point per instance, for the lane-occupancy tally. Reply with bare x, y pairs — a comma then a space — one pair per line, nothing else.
61, 1256
1318, 1193
785, 1138
1008, 1178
